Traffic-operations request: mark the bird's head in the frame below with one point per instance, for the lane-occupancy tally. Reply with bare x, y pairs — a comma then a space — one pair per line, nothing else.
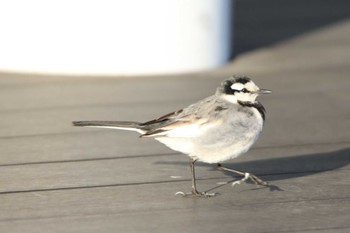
240, 89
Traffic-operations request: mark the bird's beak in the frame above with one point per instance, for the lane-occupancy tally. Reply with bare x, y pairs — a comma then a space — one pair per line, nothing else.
264, 91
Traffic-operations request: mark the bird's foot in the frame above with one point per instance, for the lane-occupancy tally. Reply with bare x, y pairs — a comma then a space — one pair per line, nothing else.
195, 194
252, 177
246, 176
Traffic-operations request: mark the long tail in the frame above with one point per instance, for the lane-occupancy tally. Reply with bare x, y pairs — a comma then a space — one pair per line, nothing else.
123, 125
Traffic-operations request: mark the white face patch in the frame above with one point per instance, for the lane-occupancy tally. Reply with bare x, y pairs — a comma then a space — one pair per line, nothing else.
250, 86
249, 96
237, 86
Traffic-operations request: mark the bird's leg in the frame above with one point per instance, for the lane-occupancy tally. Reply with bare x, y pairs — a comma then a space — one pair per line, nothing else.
193, 172
194, 192
245, 175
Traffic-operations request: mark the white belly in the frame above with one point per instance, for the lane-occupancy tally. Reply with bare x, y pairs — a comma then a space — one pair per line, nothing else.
218, 144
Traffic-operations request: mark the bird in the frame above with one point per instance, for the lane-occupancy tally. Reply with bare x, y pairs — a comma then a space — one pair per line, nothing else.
215, 129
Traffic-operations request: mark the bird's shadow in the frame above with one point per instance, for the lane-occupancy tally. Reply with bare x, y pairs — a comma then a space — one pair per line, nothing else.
283, 167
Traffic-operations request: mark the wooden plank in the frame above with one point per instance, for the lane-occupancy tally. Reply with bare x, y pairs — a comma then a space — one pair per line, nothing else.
104, 91
80, 145
160, 168
283, 218
92, 143
318, 201
32, 123
18, 129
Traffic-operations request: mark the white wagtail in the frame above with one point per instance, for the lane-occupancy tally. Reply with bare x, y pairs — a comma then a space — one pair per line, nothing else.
215, 129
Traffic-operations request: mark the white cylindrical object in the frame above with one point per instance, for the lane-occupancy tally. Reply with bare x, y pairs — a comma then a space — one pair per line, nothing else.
114, 36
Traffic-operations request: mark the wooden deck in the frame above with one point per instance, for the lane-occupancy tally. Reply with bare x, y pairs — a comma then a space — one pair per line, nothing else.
58, 178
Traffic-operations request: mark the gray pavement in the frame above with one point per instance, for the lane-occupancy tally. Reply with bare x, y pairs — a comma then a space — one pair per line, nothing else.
57, 178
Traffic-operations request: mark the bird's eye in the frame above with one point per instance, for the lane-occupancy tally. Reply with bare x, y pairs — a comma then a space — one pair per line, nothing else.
244, 90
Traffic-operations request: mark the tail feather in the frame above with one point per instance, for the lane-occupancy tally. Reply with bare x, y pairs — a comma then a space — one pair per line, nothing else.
123, 125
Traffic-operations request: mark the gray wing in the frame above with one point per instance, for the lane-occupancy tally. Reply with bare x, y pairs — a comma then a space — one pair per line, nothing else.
187, 120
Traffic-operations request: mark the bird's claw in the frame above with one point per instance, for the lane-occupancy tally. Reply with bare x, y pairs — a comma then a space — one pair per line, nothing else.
195, 194
252, 177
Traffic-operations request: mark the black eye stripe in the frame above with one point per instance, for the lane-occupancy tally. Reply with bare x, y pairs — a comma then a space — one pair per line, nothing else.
226, 86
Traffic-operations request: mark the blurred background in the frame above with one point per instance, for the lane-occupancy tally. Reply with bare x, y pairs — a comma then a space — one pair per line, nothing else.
149, 37
114, 37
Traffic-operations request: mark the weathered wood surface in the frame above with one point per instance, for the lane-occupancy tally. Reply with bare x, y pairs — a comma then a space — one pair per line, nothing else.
57, 178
